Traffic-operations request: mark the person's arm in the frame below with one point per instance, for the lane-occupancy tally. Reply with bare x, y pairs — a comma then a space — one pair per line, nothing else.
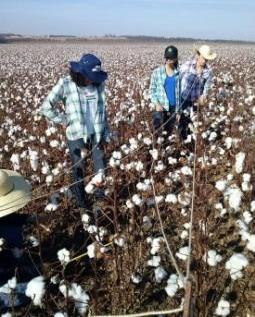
49, 109
203, 99
153, 92
106, 132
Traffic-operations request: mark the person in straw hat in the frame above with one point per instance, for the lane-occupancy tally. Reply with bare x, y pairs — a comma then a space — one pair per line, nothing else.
196, 77
83, 94
15, 193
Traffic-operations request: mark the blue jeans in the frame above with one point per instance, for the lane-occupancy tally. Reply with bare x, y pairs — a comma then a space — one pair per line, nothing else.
166, 118
75, 148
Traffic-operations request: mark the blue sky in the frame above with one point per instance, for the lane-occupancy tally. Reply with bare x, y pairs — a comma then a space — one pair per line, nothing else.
206, 19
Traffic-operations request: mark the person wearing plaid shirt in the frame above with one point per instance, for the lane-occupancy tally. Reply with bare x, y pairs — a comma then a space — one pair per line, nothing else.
82, 94
165, 92
196, 77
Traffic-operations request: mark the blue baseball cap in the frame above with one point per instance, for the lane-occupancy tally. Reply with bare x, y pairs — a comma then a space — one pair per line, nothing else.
89, 66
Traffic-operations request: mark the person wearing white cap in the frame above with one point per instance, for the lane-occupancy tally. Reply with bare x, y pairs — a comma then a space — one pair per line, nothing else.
15, 193
196, 76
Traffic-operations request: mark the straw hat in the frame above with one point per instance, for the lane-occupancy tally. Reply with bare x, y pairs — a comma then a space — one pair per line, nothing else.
15, 192
206, 52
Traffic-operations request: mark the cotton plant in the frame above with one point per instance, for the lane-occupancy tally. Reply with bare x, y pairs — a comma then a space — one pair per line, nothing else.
63, 256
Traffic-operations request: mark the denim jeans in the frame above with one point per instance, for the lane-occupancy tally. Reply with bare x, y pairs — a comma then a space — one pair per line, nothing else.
166, 118
75, 148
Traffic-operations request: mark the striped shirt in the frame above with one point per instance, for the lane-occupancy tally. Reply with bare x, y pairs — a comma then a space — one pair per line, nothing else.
194, 85
74, 116
158, 93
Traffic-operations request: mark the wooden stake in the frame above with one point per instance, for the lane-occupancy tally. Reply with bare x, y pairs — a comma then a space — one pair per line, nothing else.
187, 300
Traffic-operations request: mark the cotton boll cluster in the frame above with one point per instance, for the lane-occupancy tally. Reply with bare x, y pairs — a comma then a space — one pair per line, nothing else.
236, 264
154, 261
154, 153
171, 198
136, 278
239, 162
79, 296
64, 256
137, 200
15, 160
234, 196
36, 290
183, 253
184, 198
212, 258
185, 170
34, 159
221, 185
160, 274
223, 308
144, 186
173, 284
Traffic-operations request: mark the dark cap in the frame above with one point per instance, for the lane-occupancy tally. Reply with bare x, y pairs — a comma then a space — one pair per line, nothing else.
171, 52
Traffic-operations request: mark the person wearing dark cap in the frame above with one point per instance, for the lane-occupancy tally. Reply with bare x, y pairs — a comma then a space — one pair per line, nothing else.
85, 118
165, 92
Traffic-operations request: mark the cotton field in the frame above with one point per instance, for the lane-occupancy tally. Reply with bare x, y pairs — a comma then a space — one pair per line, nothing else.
146, 244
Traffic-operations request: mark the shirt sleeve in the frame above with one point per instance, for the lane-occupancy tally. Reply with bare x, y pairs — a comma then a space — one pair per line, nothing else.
207, 84
49, 106
153, 88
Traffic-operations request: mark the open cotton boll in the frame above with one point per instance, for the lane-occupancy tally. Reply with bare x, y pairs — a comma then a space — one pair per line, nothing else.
172, 160
136, 278
12, 283
98, 178
90, 188
184, 198
246, 177
234, 196
212, 136
228, 142
171, 198
185, 170
184, 234
235, 264
253, 206
7, 315
212, 258
156, 244
139, 166
34, 241
154, 261
15, 161
172, 285
49, 179
160, 274
91, 250
64, 256
251, 243
34, 160
51, 207
221, 185
137, 200
120, 241
223, 308
246, 186
247, 217
129, 204
183, 253
159, 167
54, 143
35, 290
147, 141
59, 314
154, 154
239, 162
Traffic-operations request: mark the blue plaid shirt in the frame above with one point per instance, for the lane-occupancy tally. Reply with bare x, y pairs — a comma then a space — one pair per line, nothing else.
66, 91
157, 88
193, 85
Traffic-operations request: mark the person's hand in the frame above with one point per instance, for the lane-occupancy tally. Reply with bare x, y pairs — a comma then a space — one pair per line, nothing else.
159, 107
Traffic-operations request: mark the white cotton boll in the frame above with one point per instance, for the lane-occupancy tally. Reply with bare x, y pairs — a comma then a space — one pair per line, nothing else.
147, 222
133, 144
223, 308
234, 196
12, 283
160, 274
223, 212
35, 290
230, 177
159, 167
221, 185
51, 207
241, 128
147, 141
34, 241
136, 278
137, 200
59, 314
85, 218
154, 261
154, 154
64, 256
214, 161
212, 258
212, 136
34, 160
184, 199
156, 245
129, 204
15, 162
125, 149
184, 234
113, 162
246, 186
91, 250
172, 285
246, 177
90, 188
92, 229
235, 264
251, 243
7, 315
183, 253
239, 162
120, 241
253, 206
218, 206
228, 142
172, 160
168, 181
185, 170
171, 198
54, 143
42, 139
159, 199
139, 166
98, 179
49, 179
116, 155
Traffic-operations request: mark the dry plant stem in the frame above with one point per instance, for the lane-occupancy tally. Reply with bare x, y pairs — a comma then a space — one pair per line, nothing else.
154, 313
163, 233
